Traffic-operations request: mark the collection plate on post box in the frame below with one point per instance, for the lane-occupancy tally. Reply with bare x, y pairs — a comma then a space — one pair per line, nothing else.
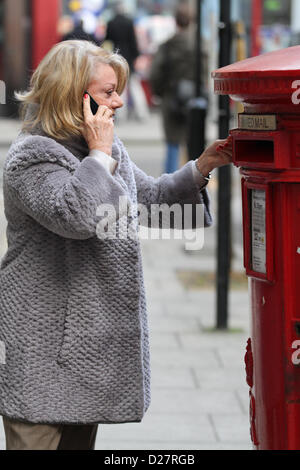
258, 122
258, 230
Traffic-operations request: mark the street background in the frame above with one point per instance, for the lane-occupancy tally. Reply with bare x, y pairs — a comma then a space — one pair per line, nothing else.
200, 399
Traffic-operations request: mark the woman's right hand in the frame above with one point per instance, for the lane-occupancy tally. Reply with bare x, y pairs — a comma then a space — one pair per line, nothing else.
98, 129
217, 154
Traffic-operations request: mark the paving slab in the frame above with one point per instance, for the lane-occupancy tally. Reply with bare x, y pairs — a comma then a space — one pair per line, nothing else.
230, 429
194, 401
173, 377
185, 428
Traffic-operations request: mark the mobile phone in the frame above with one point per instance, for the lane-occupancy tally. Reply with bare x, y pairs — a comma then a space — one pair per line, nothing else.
94, 105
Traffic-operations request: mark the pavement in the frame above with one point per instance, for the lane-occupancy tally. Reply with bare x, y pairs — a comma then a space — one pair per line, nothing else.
199, 391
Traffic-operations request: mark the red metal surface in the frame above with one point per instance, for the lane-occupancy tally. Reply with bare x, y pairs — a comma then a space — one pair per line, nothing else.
275, 316
45, 15
257, 21
249, 364
270, 160
266, 79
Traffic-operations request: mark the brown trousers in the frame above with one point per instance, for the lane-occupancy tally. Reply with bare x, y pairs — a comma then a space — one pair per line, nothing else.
31, 436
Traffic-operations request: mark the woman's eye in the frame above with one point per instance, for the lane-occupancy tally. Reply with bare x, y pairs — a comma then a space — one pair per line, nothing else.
109, 92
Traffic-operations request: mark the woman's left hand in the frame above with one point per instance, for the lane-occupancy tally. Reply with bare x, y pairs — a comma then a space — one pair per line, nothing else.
216, 155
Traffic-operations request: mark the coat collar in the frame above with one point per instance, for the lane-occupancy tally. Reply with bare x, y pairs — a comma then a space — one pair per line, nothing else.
75, 144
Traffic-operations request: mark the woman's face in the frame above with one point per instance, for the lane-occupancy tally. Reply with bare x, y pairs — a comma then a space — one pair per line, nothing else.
103, 87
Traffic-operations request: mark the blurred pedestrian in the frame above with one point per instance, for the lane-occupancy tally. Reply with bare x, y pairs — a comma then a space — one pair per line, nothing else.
74, 338
172, 78
120, 31
65, 25
79, 33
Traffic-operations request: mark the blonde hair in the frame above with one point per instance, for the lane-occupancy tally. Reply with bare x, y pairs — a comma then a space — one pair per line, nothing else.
59, 82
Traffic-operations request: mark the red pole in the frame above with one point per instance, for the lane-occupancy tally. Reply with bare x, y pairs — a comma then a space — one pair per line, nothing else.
257, 19
45, 16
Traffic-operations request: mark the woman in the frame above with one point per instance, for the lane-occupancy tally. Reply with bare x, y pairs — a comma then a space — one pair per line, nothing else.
73, 316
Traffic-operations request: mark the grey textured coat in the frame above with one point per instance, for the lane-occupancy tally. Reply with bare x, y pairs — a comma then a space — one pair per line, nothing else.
73, 314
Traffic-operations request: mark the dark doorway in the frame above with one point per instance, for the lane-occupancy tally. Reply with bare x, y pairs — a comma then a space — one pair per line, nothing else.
15, 18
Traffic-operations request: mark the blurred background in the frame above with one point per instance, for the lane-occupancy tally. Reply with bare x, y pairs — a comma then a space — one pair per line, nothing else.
200, 397
28, 29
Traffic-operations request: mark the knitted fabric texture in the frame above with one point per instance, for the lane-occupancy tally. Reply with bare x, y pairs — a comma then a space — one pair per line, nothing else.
73, 317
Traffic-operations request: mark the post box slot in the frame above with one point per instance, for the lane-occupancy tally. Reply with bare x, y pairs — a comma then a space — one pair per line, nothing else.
260, 151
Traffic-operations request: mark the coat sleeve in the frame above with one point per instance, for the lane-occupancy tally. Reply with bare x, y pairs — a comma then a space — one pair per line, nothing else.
170, 189
63, 201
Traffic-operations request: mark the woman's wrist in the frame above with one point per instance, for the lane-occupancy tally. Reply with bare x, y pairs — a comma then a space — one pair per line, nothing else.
203, 166
102, 148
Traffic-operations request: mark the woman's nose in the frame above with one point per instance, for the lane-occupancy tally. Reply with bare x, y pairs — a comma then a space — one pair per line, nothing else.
118, 102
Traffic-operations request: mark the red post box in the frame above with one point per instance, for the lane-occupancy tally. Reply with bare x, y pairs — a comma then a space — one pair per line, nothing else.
266, 147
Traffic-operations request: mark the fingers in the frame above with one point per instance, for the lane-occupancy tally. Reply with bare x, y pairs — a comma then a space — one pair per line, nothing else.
87, 112
225, 153
225, 145
224, 149
104, 111
224, 158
